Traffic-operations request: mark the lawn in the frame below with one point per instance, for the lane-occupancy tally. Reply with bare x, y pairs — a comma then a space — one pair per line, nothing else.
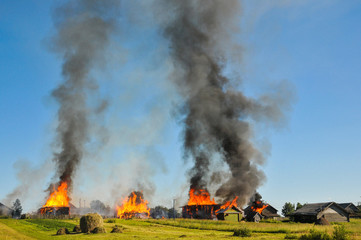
165, 229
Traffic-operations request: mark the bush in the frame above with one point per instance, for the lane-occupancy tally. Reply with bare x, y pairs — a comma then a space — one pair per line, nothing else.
291, 236
316, 235
111, 221
90, 221
242, 232
339, 233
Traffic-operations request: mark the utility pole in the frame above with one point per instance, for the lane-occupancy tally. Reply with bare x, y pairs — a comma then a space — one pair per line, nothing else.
79, 202
173, 209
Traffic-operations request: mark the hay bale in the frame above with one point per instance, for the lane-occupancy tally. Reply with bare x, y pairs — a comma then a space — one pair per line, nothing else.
62, 231
117, 229
77, 229
90, 221
99, 230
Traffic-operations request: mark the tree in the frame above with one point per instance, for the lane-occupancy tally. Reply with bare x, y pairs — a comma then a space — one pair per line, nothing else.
98, 206
288, 209
17, 209
298, 206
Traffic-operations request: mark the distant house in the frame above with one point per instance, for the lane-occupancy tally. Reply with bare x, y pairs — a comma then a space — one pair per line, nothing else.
230, 214
351, 209
5, 211
312, 213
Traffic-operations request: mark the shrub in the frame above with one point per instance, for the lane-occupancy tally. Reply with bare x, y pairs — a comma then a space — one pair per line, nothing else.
90, 221
339, 233
316, 235
242, 232
110, 221
291, 236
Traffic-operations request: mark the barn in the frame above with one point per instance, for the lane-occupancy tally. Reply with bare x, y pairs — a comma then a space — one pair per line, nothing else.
312, 213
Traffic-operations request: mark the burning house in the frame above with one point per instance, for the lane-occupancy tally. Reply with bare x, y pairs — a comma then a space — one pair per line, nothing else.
58, 202
133, 206
201, 206
258, 210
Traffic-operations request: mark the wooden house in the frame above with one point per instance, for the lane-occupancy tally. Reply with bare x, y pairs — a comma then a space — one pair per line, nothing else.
268, 212
351, 209
312, 213
232, 213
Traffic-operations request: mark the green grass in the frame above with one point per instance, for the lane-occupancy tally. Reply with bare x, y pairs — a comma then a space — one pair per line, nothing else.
169, 229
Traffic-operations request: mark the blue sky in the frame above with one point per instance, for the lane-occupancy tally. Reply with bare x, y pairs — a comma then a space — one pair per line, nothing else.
314, 157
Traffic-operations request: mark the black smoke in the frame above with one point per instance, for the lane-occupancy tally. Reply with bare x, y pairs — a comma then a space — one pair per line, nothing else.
217, 116
83, 31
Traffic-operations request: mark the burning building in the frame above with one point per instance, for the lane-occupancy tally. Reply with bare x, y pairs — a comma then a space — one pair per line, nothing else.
201, 206
58, 202
258, 210
133, 206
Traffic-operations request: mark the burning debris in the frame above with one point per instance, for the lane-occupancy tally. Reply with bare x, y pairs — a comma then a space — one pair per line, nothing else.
133, 207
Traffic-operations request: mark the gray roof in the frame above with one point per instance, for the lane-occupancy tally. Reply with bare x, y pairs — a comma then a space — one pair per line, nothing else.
350, 206
315, 208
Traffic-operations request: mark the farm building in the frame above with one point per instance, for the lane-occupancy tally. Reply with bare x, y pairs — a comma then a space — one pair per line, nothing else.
232, 213
5, 211
329, 211
351, 209
253, 217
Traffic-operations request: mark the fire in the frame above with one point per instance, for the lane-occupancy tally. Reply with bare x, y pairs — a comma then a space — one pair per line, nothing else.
259, 209
132, 206
59, 197
229, 204
200, 197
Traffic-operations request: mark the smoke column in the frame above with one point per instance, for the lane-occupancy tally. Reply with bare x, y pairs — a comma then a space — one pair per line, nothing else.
83, 30
217, 117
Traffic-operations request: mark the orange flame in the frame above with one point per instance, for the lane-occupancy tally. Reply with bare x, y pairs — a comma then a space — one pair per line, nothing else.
259, 209
229, 204
200, 197
131, 206
59, 197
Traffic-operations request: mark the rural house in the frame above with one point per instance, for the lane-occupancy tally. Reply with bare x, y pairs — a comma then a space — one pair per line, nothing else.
351, 209
312, 213
265, 212
232, 213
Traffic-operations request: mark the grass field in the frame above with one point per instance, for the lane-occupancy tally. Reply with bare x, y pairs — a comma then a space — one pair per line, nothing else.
166, 229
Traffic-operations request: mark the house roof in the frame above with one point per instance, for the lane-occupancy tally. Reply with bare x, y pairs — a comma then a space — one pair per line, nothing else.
350, 207
3, 206
315, 208
269, 211
228, 208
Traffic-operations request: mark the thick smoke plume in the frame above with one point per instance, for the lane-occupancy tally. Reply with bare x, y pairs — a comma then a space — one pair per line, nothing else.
217, 117
83, 30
